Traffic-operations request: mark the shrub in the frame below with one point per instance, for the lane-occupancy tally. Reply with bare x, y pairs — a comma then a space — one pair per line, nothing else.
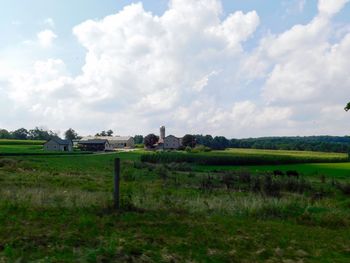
344, 188
8, 163
271, 187
162, 172
229, 180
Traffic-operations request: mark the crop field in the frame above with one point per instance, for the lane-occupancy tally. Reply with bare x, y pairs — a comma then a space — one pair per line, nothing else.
244, 157
59, 209
306, 154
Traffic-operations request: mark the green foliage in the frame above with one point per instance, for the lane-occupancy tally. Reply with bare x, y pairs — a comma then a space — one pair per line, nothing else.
71, 134
347, 108
4, 134
189, 141
150, 140
105, 133
39, 134
138, 139
215, 158
311, 143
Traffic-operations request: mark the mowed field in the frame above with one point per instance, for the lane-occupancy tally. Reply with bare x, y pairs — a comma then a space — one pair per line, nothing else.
60, 209
20, 146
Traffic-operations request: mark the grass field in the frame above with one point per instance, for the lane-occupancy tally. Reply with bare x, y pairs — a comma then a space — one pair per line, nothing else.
28, 147
20, 142
59, 209
284, 153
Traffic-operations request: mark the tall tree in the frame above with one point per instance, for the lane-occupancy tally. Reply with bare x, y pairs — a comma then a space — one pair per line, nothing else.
20, 134
347, 108
4, 134
109, 133
189, 140
150, 140
138, 139
41, 134
71, 134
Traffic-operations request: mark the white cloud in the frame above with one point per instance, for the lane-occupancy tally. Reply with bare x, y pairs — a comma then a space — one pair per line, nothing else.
49, 22
46, 38
188, 69
330, 7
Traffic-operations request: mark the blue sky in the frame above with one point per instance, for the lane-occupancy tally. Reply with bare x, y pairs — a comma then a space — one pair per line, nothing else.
21, 20
239, 72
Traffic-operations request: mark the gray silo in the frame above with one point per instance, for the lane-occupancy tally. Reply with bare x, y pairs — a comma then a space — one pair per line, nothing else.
162, 132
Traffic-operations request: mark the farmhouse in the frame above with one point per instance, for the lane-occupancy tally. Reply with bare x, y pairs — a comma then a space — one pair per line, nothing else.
57, 144
95, 145
116, 142
169, 142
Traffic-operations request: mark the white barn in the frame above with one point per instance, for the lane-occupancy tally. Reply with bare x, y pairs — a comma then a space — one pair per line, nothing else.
169, 142
117, 142
58, 145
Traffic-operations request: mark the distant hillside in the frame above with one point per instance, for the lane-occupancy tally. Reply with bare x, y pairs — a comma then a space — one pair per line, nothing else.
309, 143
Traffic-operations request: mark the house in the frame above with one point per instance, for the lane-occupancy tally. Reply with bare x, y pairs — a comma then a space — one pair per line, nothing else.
57, 144
95, 145
169, 142
117, 142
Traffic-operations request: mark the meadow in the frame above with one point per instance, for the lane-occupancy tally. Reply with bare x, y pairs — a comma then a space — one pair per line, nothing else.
59, 209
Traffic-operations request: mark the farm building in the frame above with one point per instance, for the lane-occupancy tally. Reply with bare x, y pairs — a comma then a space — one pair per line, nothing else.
116, 142
95, 145
169, 142
57, 144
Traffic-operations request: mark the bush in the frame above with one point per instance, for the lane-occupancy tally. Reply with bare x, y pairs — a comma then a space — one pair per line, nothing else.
344, 188
8, 162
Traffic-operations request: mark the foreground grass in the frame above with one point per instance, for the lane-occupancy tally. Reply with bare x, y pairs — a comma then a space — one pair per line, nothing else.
58, 209
95, 235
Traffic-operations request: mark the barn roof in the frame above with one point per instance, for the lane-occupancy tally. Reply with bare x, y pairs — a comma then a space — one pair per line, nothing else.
93, 141
112, 139
60, 141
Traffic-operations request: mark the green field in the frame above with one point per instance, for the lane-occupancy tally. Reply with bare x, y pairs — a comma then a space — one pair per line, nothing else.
20, 142
59, 209
284, 153
28, 147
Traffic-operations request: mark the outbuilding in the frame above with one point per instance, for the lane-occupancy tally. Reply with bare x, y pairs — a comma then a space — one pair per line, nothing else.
95, 145
57, 144
116, 142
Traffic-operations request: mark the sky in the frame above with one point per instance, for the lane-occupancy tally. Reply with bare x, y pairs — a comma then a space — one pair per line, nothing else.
238, 68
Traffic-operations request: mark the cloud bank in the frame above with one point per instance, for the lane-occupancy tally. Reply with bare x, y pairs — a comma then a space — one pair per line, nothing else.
190, 70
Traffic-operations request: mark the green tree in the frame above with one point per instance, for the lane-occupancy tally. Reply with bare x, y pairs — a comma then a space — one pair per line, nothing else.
4, 134
71, 134
41, 134
20, 134
189, 141
150, 140
138, 139
347, 108
109, 133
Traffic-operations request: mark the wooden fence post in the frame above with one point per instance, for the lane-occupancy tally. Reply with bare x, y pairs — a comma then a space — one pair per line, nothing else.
116, 193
